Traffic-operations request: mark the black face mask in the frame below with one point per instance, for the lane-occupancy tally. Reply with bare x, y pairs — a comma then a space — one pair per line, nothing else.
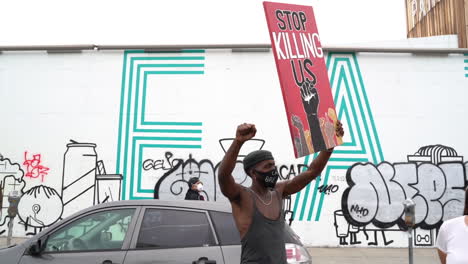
269, 178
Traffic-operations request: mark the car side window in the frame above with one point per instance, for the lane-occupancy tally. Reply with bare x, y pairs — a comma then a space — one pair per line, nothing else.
105, 230
225, 228
164, 228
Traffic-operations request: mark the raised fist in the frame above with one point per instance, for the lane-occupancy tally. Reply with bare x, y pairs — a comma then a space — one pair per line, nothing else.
339, 129
245, 132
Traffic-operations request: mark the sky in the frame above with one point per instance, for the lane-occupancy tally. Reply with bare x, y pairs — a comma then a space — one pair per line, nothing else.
157, 22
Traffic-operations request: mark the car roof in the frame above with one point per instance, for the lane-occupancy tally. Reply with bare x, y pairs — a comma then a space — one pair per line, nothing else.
200, 205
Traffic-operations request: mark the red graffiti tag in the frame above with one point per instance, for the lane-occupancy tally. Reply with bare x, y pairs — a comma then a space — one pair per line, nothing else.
34, 169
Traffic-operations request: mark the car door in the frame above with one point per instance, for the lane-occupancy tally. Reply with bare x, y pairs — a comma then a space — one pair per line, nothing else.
99, 237
173, 236
228, 236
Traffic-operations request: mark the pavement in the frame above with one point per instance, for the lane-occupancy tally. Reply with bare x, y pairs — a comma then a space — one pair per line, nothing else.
351, 255
372, 255
14, 240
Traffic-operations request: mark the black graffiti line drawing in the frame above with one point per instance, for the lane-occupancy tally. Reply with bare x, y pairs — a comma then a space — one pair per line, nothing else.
11, 179
382, 189
435, 154
344, 229
180, 174
328, 189
160, 164
85, 181
174, 182
79, 174
424, 238
286, 172
40, 207
434, 177
287, 205
250, 145
375, 242
108, 186
168, 187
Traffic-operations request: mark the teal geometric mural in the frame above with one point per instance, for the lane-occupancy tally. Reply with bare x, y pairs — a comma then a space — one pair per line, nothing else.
136, 133
466, 65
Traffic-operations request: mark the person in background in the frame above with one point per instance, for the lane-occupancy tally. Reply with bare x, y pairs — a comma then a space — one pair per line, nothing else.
195, 188
452, 241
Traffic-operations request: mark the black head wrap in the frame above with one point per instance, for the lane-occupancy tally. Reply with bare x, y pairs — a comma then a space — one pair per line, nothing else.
254, 157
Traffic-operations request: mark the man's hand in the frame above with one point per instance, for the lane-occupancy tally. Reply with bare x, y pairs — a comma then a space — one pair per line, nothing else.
339, 132
339, 129
245, 132
297, 183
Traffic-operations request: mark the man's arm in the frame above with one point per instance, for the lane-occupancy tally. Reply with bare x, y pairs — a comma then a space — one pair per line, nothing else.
318, 164
300, 181
228, 185
441, 243
442, 256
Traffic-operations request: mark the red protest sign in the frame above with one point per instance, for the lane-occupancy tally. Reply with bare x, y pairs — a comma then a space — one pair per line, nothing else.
303, 77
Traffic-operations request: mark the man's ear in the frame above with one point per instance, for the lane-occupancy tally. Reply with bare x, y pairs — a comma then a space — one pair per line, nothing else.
251, 174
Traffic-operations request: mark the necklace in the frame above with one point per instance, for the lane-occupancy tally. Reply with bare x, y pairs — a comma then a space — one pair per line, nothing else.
261, 200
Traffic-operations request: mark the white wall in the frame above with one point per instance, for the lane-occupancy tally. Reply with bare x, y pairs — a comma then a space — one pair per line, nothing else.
400, 102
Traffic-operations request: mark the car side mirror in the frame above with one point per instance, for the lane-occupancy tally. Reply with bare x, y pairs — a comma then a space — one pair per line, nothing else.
35, 249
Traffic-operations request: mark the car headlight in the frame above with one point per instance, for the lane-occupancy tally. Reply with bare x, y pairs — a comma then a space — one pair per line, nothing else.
297, 254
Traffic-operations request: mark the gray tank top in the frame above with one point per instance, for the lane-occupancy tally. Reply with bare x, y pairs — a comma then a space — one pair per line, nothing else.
264, 241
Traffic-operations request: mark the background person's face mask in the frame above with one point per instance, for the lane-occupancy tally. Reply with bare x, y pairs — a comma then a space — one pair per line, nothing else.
269, 178
200, 187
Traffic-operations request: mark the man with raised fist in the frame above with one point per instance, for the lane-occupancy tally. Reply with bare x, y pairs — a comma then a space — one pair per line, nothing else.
257, 210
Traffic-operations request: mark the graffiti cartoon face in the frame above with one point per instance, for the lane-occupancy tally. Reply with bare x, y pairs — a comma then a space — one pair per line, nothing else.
41, 206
